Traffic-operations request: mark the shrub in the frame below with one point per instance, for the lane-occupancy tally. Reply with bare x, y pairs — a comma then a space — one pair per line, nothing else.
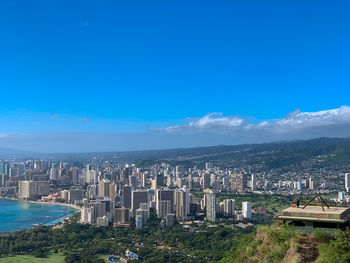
322, 236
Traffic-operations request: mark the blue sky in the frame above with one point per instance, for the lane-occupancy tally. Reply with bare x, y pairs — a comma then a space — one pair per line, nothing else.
84, 69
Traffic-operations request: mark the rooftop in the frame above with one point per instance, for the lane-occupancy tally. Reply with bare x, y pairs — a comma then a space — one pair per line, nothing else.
317, 209
316, 214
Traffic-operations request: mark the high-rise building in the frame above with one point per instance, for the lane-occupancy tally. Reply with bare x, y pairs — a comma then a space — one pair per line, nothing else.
127, 171
253, 182
179, 171
138, 197
103, 188
306, 183
239, 182
29, 189
3, 179
133, 181
112, 192
169, 181
190, 181
87, 214
295, 185
311, 184
24, 189
163, 208
138, 221
204, 203
341, 196
299, 186
229, 207
206, 181
208, 166
169, 220
267, 186
98, 208
144, 180
145, 206
247, 210
2, 168
179, 182
157, 182
144, 214
182, 203
164, 195
126, 196
226, 182
74, 176
211, 207
92, 191
74, 195
64, 195
90, 175
347, 182
121, 215
7, 169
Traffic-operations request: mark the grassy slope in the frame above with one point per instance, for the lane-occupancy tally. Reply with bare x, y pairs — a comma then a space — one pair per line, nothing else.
51, 258
284, 244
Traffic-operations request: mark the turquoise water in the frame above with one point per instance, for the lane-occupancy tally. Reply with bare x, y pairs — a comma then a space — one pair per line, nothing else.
16, 215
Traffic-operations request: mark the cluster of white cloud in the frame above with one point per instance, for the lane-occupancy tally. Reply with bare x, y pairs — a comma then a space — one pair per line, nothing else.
212, 129
211, 121
321, 122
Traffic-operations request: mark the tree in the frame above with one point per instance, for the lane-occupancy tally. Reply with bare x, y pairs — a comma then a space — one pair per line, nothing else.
39, 253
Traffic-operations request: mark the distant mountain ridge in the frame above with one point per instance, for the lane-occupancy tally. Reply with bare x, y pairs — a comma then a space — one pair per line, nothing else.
10, 153
280, 152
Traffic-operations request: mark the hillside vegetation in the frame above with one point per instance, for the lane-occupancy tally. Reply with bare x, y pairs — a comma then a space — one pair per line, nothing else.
283, 244
293, 155
273, 155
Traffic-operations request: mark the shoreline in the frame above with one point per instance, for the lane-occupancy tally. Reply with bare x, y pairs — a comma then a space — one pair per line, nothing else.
44, 202
53, 203
56, 221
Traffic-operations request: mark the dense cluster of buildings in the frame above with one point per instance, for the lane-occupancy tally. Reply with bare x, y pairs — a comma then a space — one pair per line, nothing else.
125, 194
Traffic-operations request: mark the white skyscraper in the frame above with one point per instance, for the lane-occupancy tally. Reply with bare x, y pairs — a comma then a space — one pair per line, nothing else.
347, 182
211, 207
247, 210
311, 184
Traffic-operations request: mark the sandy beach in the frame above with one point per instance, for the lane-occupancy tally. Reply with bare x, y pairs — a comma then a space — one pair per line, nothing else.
54, 203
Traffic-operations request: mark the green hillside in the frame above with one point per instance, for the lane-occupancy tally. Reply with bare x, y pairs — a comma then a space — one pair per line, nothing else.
283, 244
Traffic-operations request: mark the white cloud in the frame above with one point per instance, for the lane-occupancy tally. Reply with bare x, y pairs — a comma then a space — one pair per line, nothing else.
209, 122
319, 119
324, 123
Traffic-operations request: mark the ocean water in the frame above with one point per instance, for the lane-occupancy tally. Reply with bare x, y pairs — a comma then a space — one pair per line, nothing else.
17, 215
